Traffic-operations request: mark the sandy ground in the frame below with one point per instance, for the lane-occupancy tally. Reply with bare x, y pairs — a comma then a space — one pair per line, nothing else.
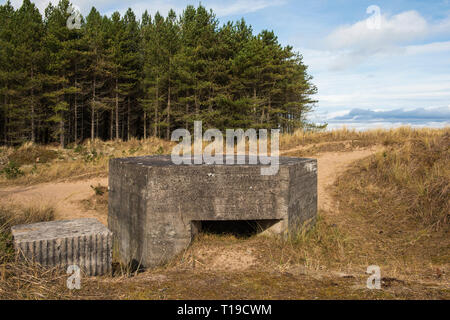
331, 165
66, 197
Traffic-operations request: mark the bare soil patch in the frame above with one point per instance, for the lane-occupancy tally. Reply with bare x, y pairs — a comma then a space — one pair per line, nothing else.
65, 197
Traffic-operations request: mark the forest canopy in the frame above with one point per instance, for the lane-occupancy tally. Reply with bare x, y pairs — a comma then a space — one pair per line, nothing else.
120, 77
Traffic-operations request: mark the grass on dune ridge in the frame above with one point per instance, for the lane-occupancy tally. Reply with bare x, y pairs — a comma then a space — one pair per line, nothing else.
415, 177
30, 164
397, 205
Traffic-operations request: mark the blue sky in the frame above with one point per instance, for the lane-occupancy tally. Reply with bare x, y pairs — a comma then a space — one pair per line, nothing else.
402, 64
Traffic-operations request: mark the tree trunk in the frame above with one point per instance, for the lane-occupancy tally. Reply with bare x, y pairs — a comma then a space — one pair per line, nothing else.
145, 125
93, 112
5, 130
117, 110
254, 98
75, 123
128, 120
82, 124
156, 108
263, 115
187, 112
111, 125
61, 129
122, 127
61, 125
97, 124
33, 136
196, 100
211, 94
168, 112
8, 130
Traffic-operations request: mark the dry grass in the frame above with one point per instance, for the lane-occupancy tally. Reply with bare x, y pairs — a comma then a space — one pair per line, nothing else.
39, 164
13, 214
23, 279
309, 143
396, 206
375, 136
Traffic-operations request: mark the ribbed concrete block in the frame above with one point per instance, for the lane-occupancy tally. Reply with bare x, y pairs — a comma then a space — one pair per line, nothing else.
83, 242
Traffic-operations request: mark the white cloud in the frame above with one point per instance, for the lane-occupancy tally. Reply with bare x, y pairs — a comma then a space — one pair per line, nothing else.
434, 47
339, 60
398, 29
370, 95
353, 44
442, 27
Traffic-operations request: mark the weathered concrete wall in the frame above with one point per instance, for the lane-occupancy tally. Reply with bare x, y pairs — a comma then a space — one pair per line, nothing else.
83, 242
154, 204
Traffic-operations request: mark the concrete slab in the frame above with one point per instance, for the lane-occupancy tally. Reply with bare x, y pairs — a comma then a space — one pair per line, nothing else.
83, 242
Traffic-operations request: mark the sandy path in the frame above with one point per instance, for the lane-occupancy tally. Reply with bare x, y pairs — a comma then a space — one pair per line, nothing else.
66, 196
330, 166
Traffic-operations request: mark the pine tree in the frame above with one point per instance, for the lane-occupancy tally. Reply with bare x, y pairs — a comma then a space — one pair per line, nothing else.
29, 55
6, 68
116, 39
130, 66
152, 72
170, 48
98, 68
57, 42
145, 82
199, 42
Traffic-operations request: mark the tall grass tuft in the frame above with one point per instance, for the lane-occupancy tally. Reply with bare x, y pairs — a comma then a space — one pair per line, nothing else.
12, 214
23, 279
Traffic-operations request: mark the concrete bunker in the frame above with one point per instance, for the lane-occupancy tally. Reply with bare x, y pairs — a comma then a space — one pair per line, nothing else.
156, 207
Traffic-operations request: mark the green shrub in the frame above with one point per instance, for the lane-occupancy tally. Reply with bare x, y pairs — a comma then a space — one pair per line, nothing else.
160, 150
99, 189
32, 155
91, 156
79, 149
12, 170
